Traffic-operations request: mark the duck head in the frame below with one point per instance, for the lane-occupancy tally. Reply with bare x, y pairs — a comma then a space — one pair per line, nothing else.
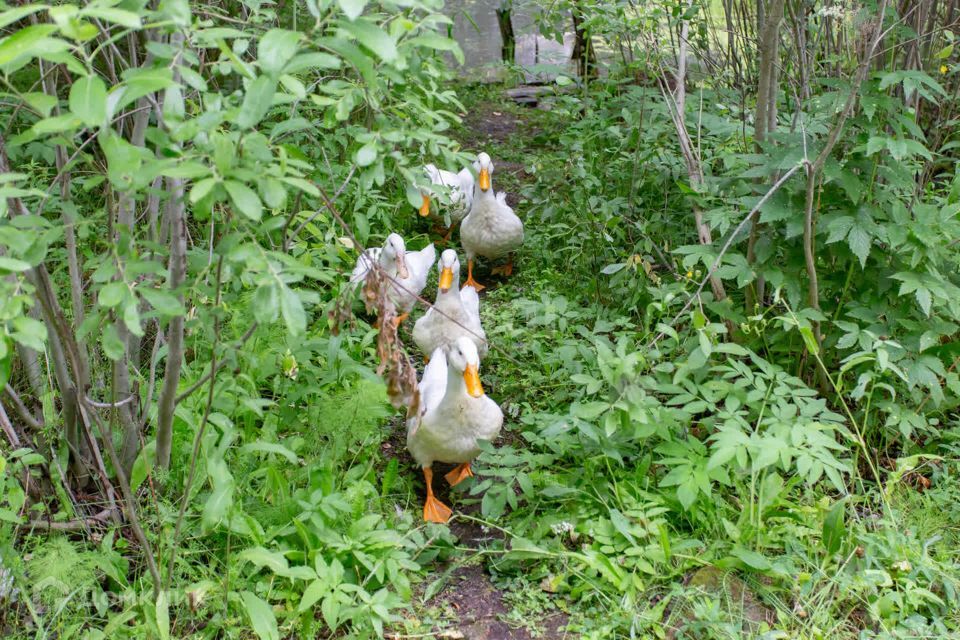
449, 267
394, 254
463, 358
484, 167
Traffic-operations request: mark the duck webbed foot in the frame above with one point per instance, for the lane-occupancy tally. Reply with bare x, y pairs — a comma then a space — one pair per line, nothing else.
505, 270
470, 281
460, 473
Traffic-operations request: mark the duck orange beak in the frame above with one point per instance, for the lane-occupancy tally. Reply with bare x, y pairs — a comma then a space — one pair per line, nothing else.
446, 279
472, 378
484, 179
425, 207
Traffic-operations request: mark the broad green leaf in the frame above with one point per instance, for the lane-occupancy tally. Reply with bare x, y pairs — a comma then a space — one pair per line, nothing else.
88, 100
272, 560
122, 17
924, 299
366, 155
164, 302
215, 508
860, 241
18, 13
352, 8
752, 559
314, 591
261, 616
131, 317
257, 101
244, 199
266, 302
111, 294
29, 332
271, 447
810, 340
201, 189
440, 43
29, 42
292, 310
143, 465
41, 102
834, 528
373, 38
275, 50
314, 60
12, 264
113, 346
163, 616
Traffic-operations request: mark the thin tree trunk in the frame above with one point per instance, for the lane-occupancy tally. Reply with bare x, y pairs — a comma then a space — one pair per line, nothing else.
508, 46
675, 103
765, 121
178, 269
816, 167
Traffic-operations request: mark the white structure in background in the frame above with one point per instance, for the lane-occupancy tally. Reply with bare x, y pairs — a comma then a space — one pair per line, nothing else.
475, 28
543, 59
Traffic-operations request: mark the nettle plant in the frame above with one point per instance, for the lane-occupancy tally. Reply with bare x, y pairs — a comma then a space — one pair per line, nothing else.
166, 160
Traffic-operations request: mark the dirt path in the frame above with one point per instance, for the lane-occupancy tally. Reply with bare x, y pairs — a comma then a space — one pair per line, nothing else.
473, 607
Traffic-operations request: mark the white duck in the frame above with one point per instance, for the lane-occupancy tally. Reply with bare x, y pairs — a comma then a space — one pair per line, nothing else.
460, 193
491, 229
407, 270
455, 313
454, 414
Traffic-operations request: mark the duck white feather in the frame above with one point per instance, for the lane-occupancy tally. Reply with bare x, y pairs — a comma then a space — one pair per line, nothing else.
455, 313
408, 270
459, 189
454, 413
491, 229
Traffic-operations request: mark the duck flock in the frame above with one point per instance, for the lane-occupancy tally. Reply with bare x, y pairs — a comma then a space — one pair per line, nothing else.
452, 412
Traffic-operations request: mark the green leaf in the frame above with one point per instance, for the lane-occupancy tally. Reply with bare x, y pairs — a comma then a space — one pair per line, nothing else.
244, 199
314, 591
29, 332
810, 340
56, 124
277, 47
12, 264
266, 303
113, 346
271, 447
352, 8
18, 13
163, 616
131, 317
112, 294
752, 559
314, 60
442, 43
164, 302
29, 42
366, 155
216, 506
373, 38
143, 465
292, 310
834, 528
924, 299
261, 616
860, 241
945, 53
124, 18
257, 101
272, 560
